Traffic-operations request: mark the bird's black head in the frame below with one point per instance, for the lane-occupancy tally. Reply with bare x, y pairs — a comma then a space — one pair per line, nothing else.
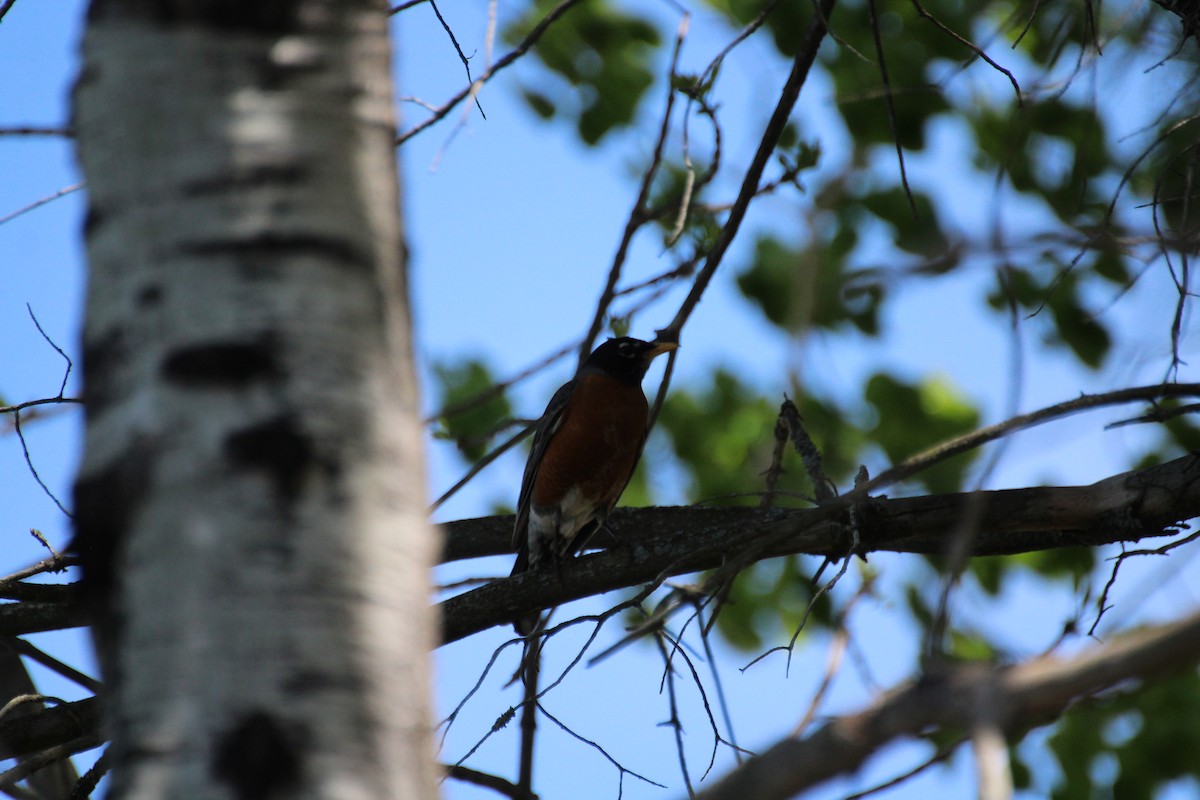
625, 358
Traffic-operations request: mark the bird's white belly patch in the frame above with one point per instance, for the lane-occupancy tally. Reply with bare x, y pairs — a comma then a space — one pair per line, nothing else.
553, 529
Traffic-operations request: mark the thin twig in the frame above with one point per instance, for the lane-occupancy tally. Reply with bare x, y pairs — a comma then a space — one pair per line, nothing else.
56, 564
1102, 604
50, 662
498, 388
636, 217
521, 49
36, 204
67, 374
32, 468
941, 754
837, 650
674, 722
981, 436
458, 49
32, 764
88, 781
718, 684
770, 139
35, 130
479, 465
531, 668
891, 107
970, 46
493, 782
623, 770
44, 401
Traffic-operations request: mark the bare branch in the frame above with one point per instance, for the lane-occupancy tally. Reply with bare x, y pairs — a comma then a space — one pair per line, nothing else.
29, 617
32, 468
891, 105
620, 768
479, 465
941, 26
493, 782
636, 214
45, 758
36, 130
1021, 696
23, 736
770, 138
970, 441
458, 49
521, 49
39, 203
673, 541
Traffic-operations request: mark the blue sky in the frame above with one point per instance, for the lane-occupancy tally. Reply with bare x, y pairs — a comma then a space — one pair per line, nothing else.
512, 225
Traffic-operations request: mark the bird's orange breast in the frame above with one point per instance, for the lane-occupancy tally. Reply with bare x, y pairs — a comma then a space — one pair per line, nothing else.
596, 445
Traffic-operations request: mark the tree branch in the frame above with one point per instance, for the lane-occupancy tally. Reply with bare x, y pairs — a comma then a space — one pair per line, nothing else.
1016, 697
657, 543
22, 736
529, 41
805, 56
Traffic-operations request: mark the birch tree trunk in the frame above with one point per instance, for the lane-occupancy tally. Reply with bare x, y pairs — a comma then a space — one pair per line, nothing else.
250, 508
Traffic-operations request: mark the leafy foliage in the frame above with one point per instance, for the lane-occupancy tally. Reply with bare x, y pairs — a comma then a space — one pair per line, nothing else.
603, 54
724, 461
1146, 737
1090, 215
471, 425
913, 418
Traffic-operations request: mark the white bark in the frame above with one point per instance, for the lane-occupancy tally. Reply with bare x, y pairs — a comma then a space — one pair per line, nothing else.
251, 502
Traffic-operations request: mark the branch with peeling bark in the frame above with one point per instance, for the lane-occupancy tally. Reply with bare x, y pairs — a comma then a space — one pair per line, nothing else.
657, 543
1013, 698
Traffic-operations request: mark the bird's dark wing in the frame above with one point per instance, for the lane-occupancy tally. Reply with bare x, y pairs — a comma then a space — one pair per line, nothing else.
546, 428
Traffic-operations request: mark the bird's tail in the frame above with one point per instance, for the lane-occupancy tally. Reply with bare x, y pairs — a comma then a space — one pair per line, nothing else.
521, 564
525, 625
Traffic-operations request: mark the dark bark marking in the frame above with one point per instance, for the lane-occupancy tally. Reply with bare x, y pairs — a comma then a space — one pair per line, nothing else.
92, 219
258, 757
284, 175
223, 363
266, 17
276, 246
105, 504
103, 359
149, 296
277, 446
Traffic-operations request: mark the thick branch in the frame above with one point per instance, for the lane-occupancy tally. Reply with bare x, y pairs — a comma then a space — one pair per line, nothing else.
22, 736
660, 542
17, 619
1016, 698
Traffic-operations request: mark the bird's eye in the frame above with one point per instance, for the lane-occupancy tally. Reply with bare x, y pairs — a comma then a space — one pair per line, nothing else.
626, 349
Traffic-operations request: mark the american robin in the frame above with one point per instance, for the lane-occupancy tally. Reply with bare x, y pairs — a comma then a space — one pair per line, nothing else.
585, 448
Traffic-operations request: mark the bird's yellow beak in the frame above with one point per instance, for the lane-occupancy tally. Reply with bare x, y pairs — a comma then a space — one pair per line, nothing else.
660, 348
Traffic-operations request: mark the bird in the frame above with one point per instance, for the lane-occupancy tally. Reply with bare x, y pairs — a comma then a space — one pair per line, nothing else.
585, 447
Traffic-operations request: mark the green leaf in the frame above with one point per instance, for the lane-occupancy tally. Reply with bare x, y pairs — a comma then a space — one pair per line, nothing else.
966, 646
472, 428
1150, 733
921, 234
913, 418
723, 435
542, 105
769, 600
797, 289
1070, 324
603, 53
